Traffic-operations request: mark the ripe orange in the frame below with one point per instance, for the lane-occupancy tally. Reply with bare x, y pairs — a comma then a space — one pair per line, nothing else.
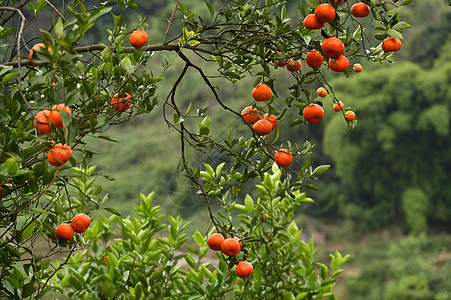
55, 115
272, 119
293, 65
6, 184
262, 92
357, 67
41, 122
105, 259
264, 217
314, 59
80, 223
312, 23
263, 127
283, 158
250, 114
360, 10
340, 64
244, 269
121, 104
230, 247
325, 12
215, 241
322, 92
38, 46
138, 38
333, 47
59, 154
64, 232
391, 44
338, 106
350, 116
313, 113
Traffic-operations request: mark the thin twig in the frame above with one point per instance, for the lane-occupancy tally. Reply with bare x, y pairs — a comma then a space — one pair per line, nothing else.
56, 10
170, 22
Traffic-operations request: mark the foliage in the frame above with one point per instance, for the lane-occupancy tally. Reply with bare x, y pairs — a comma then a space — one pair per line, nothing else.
144, 263
415, 203
241, 40
411, 268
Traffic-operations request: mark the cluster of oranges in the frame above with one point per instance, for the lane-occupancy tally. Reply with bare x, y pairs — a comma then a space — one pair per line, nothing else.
80, 223
59, 153
337, 106
45, 120
230, 247
333, 47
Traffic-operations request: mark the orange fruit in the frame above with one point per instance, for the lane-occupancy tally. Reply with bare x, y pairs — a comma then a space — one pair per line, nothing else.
104, 259
325, 12
244, 269
41, 122
80, 223
312, 23
64, 232
360, 10
279, 62
59, 154
322, 92
283, 158
263, 127
338, 106
357, 67
340, 64
391, 44
333, 47
37, 46
215, 241
121, 104
230, 247
293, 65
264, 217
272, 119
350, 116
250, 114
313, 113
138, 38
314, 59
55, 115
1, 188
262, 92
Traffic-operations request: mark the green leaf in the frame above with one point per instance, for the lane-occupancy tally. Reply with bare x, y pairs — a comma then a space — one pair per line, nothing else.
198, 238
292, 228
11, 165
301, 295
28, 290
183, 8
248, 203
320, 170
8, 77
58, 29
112, 210
312, 3
206, 121
394, 33
211, 9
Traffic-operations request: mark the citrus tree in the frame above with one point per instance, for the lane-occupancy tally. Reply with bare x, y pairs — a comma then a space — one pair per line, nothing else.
58, 90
